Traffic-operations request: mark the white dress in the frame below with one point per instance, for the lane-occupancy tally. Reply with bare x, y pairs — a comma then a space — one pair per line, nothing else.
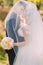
32, 53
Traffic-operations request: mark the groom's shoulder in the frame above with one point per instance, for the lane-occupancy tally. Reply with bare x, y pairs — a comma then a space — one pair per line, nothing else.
11, 17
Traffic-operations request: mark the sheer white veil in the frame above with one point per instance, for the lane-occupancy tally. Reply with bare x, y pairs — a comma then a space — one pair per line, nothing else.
30, 10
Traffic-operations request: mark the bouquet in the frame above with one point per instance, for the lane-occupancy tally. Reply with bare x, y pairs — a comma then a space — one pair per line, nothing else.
7, 43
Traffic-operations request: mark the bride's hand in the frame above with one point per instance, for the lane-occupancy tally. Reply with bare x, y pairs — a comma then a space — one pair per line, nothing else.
20, 44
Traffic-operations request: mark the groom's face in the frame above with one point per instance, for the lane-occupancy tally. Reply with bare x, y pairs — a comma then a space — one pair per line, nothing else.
20, 9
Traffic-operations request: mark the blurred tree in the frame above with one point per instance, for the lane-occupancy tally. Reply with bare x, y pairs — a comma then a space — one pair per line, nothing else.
14, 1
3, 15
2, 54
1, 2
38, 4
8, 2
5, 3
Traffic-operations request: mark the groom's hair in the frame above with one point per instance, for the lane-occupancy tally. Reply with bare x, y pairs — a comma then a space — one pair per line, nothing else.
22, 3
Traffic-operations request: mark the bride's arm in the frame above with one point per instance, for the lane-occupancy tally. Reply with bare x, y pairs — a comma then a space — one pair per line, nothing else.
24, 42
24, 34
20, 44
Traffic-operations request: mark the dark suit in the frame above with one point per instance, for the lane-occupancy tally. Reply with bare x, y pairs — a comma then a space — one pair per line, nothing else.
11, 23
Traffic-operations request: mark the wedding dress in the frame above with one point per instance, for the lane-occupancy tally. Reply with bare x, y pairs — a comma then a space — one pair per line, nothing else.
32, 52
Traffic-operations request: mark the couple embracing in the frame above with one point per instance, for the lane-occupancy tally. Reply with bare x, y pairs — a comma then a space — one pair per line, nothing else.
24, 26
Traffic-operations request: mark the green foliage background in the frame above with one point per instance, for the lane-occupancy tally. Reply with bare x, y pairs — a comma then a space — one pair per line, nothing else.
39, 3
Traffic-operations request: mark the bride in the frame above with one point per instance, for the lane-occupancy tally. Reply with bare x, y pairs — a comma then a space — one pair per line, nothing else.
31, 53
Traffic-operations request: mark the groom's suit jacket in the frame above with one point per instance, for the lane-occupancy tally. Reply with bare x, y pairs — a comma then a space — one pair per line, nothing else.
12, 26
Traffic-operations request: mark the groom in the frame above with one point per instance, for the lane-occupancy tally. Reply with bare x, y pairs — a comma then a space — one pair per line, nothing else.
12, 26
